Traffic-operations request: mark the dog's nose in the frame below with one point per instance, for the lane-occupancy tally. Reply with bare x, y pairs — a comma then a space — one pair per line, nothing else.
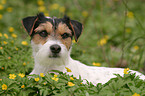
55, 48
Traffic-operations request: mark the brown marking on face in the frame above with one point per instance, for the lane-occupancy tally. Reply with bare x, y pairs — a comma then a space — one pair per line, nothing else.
53, 34
37, 39
61, 29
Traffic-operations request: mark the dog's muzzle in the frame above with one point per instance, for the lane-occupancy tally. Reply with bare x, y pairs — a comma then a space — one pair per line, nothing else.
55, 49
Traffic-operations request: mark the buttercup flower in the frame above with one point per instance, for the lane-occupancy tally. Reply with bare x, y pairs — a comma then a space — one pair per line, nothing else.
42, 74
44, 83
135, 94
23, 86
55, 75
5, 42
102, 42
1, 16
24, 43
135, 47
84, 13
62, 9
73, 41
6, 36
12, 76
11, 29
1, 34
68, 70
9, 9
96, 64
4, 87
37, 79
24, 64
54, 6
130, 15
21, 75
128, 30
14, 35
126, 70
16, 48
71, 78
1, 7
70, 84
40, 2
41, 8
54, 78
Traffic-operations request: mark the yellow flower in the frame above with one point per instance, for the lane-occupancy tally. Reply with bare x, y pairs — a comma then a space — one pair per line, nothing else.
14, 35
84, 13
5, 42
12, 76
62, 9
68, 70
102, 42
135, 47
1, 16
9, 58
70, 84
44, 83
73, 41
42, 74
6, 36
81, 83
37, 79
24, 43
126, 70
71, 78
3, 1
106, 37
128, 30
96, 64
41, 8
16, 48
54, 6
46, 14
24, 64
130, 15
11, 29
54, 78
4, 87
40, 2
1, 34
23, 86
1, 7
21, 75
9, 9
55, 75
135, 94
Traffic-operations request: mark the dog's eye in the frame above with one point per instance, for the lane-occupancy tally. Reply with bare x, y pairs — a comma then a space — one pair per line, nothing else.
65, 35
43, 34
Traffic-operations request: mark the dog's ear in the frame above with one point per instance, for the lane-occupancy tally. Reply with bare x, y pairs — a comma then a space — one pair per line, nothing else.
29, 23
75, 26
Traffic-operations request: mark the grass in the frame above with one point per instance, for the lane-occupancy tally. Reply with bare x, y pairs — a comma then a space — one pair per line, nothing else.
113, 33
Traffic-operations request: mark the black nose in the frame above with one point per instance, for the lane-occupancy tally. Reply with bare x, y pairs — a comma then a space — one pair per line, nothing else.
55, 48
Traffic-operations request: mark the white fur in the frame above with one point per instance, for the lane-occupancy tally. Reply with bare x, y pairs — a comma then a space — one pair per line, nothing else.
44, 64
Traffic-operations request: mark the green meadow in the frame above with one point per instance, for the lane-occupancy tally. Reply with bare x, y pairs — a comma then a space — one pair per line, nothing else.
113, 36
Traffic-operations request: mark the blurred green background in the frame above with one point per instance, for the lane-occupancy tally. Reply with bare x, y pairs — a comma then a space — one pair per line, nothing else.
113, 33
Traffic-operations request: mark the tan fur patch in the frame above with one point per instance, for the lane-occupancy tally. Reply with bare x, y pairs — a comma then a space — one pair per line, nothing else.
56, 35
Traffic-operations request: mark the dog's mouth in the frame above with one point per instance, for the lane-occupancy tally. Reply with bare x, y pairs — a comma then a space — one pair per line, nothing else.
54, 55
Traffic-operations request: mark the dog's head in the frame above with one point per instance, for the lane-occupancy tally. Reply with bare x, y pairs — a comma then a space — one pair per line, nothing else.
51, 37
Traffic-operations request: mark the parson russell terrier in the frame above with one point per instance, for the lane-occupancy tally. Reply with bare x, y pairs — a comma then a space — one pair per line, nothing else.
51, 40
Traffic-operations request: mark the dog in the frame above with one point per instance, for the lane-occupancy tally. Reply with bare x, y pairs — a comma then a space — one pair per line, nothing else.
51, 40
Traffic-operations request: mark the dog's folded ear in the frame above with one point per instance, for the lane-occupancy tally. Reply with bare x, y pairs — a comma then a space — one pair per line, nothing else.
29, 23
77, 28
